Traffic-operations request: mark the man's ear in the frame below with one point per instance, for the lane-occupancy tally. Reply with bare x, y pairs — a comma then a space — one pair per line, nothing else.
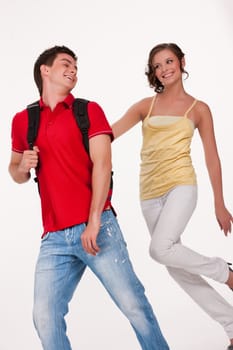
44, 70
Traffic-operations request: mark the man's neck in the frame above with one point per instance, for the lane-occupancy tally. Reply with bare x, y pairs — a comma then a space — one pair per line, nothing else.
52, 99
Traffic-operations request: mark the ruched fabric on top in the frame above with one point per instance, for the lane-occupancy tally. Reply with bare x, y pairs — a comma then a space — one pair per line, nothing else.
165, 154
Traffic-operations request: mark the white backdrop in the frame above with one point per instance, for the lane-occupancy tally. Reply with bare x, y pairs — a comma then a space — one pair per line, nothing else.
112, 40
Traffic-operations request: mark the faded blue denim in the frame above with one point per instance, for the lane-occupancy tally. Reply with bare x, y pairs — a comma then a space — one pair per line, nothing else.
60, 266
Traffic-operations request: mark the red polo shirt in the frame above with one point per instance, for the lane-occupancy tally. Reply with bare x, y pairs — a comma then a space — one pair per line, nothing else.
65, 168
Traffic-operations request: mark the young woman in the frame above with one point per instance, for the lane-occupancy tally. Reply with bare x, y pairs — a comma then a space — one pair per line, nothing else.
168, 188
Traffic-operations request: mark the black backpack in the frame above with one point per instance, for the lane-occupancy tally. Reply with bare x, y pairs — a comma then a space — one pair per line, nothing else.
81, 116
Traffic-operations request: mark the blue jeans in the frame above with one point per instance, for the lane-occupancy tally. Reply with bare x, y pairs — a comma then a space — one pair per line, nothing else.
60, 266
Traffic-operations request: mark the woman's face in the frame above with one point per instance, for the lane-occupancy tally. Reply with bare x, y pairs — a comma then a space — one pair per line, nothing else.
167, 67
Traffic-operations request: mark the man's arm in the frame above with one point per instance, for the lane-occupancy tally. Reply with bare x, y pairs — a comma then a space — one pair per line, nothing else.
21, 164
100, 153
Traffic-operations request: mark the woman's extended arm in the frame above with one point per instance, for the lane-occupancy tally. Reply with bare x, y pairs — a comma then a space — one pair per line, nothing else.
134, 115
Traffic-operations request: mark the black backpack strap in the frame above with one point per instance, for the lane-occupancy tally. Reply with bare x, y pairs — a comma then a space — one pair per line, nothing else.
33, 122
82, 119
33, 125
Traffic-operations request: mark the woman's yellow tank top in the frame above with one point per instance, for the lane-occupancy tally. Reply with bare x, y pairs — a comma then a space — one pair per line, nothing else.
165, 154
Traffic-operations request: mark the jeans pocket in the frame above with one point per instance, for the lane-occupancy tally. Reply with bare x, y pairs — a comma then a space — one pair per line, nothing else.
45, 237
110, 234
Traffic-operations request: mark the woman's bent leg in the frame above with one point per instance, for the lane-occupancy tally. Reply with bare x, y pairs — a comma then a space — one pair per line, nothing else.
166, 219
166, 226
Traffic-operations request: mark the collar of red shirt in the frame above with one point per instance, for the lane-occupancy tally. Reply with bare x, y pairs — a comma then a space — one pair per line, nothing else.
67, 101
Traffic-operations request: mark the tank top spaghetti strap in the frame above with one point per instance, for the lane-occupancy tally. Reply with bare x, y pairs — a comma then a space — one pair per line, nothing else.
190, 108
151, 106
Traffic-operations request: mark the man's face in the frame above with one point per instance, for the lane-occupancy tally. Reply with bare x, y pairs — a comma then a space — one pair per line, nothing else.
63, 72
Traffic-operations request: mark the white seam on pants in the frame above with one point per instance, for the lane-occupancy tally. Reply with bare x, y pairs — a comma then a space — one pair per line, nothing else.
166, 218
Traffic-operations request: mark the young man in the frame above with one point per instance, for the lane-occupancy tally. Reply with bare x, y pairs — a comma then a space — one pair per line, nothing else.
80, 228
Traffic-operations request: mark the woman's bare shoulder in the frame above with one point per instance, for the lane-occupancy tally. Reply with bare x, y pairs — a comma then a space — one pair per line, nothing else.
203, 115
143, 106
145, 101
202, 106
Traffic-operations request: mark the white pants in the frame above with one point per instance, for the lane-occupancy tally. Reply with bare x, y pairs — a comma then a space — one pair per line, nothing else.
166, 218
